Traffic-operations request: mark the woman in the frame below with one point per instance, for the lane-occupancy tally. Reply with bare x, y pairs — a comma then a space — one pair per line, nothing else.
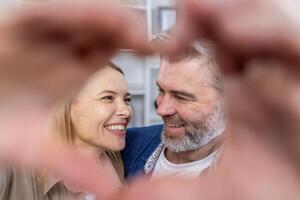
94, 123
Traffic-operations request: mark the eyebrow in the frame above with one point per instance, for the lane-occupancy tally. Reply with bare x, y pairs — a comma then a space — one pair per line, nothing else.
181, 93
112, 92
185, 94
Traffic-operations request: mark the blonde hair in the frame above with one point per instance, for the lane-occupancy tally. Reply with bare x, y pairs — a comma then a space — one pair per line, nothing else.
63, 123
64, 133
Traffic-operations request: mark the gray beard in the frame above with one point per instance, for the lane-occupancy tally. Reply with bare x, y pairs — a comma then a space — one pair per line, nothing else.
199, 133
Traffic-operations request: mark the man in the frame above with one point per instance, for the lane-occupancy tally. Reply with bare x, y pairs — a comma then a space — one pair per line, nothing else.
263, 102
190, 102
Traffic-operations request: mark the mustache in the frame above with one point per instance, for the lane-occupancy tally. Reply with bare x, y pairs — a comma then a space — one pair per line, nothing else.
173, 120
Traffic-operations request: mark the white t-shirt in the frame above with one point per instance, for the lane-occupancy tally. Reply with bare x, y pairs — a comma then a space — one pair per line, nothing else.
164, 167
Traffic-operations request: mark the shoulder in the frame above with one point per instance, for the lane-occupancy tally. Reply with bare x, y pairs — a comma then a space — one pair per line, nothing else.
5, 178
16, 182
140, 143
5, 182
138, 139
143, 133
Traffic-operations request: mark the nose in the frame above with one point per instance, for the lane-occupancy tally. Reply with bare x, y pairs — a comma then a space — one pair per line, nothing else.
165, 106
124, 110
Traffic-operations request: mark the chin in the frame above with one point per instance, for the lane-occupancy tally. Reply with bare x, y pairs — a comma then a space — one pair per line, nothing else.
118, 147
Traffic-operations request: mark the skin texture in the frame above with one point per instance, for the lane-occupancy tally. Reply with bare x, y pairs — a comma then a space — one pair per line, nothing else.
257, 47
103, 101
47, 52
242, 31
185, 98
267, 163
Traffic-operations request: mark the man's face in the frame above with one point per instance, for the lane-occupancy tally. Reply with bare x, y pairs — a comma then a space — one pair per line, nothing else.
192, 110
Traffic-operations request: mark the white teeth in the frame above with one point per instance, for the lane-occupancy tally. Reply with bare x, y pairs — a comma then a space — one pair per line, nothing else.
116, 127
175, 125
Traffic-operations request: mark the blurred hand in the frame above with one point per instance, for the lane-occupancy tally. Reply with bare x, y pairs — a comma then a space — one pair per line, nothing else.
47, 51
265, 104
241, 30
258, 46
258, 41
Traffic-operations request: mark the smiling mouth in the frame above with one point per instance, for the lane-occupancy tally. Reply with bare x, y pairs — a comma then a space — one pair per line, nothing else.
175, 125
116, 127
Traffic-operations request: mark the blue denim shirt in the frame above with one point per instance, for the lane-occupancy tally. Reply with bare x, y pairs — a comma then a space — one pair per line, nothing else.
140, 144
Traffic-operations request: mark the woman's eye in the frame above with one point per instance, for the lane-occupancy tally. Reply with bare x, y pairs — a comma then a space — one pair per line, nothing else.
127, 100
160, 90
107, 98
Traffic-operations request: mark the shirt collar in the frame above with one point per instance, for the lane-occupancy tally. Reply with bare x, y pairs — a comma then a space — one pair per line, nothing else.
150, 163
48, 182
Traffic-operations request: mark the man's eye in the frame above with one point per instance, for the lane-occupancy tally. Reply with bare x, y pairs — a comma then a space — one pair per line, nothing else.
180, 98
107, 98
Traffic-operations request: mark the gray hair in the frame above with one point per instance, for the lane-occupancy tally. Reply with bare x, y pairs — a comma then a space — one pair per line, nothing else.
200, 49
200, 134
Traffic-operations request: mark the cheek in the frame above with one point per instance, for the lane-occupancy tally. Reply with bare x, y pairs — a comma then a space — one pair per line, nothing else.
185, 112
87, 118
102, 114
98, 116
191, 113
201, 113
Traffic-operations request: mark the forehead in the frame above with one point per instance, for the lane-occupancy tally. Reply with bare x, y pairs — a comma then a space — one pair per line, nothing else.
187, 75
105, 79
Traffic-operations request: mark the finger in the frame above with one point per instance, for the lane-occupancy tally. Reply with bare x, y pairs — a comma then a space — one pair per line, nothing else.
86, 23
195, 17
271, 85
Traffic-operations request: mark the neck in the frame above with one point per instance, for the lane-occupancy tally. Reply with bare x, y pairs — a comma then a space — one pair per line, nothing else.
88, 149
194, 155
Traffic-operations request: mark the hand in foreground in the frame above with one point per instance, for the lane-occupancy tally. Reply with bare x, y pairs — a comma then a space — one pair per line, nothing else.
261, 158
242, 30
247, 32
47, 51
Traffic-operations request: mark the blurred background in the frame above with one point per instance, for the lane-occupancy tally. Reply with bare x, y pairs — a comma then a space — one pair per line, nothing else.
141, 72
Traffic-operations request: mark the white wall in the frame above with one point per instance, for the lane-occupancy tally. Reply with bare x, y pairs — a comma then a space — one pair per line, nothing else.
164, 2
4, 4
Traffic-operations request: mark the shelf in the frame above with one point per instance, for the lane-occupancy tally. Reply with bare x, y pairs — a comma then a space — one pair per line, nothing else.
155, 120
137, 92
154, 117
137, 103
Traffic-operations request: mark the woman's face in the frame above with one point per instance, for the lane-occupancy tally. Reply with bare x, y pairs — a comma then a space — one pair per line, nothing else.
101, 111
